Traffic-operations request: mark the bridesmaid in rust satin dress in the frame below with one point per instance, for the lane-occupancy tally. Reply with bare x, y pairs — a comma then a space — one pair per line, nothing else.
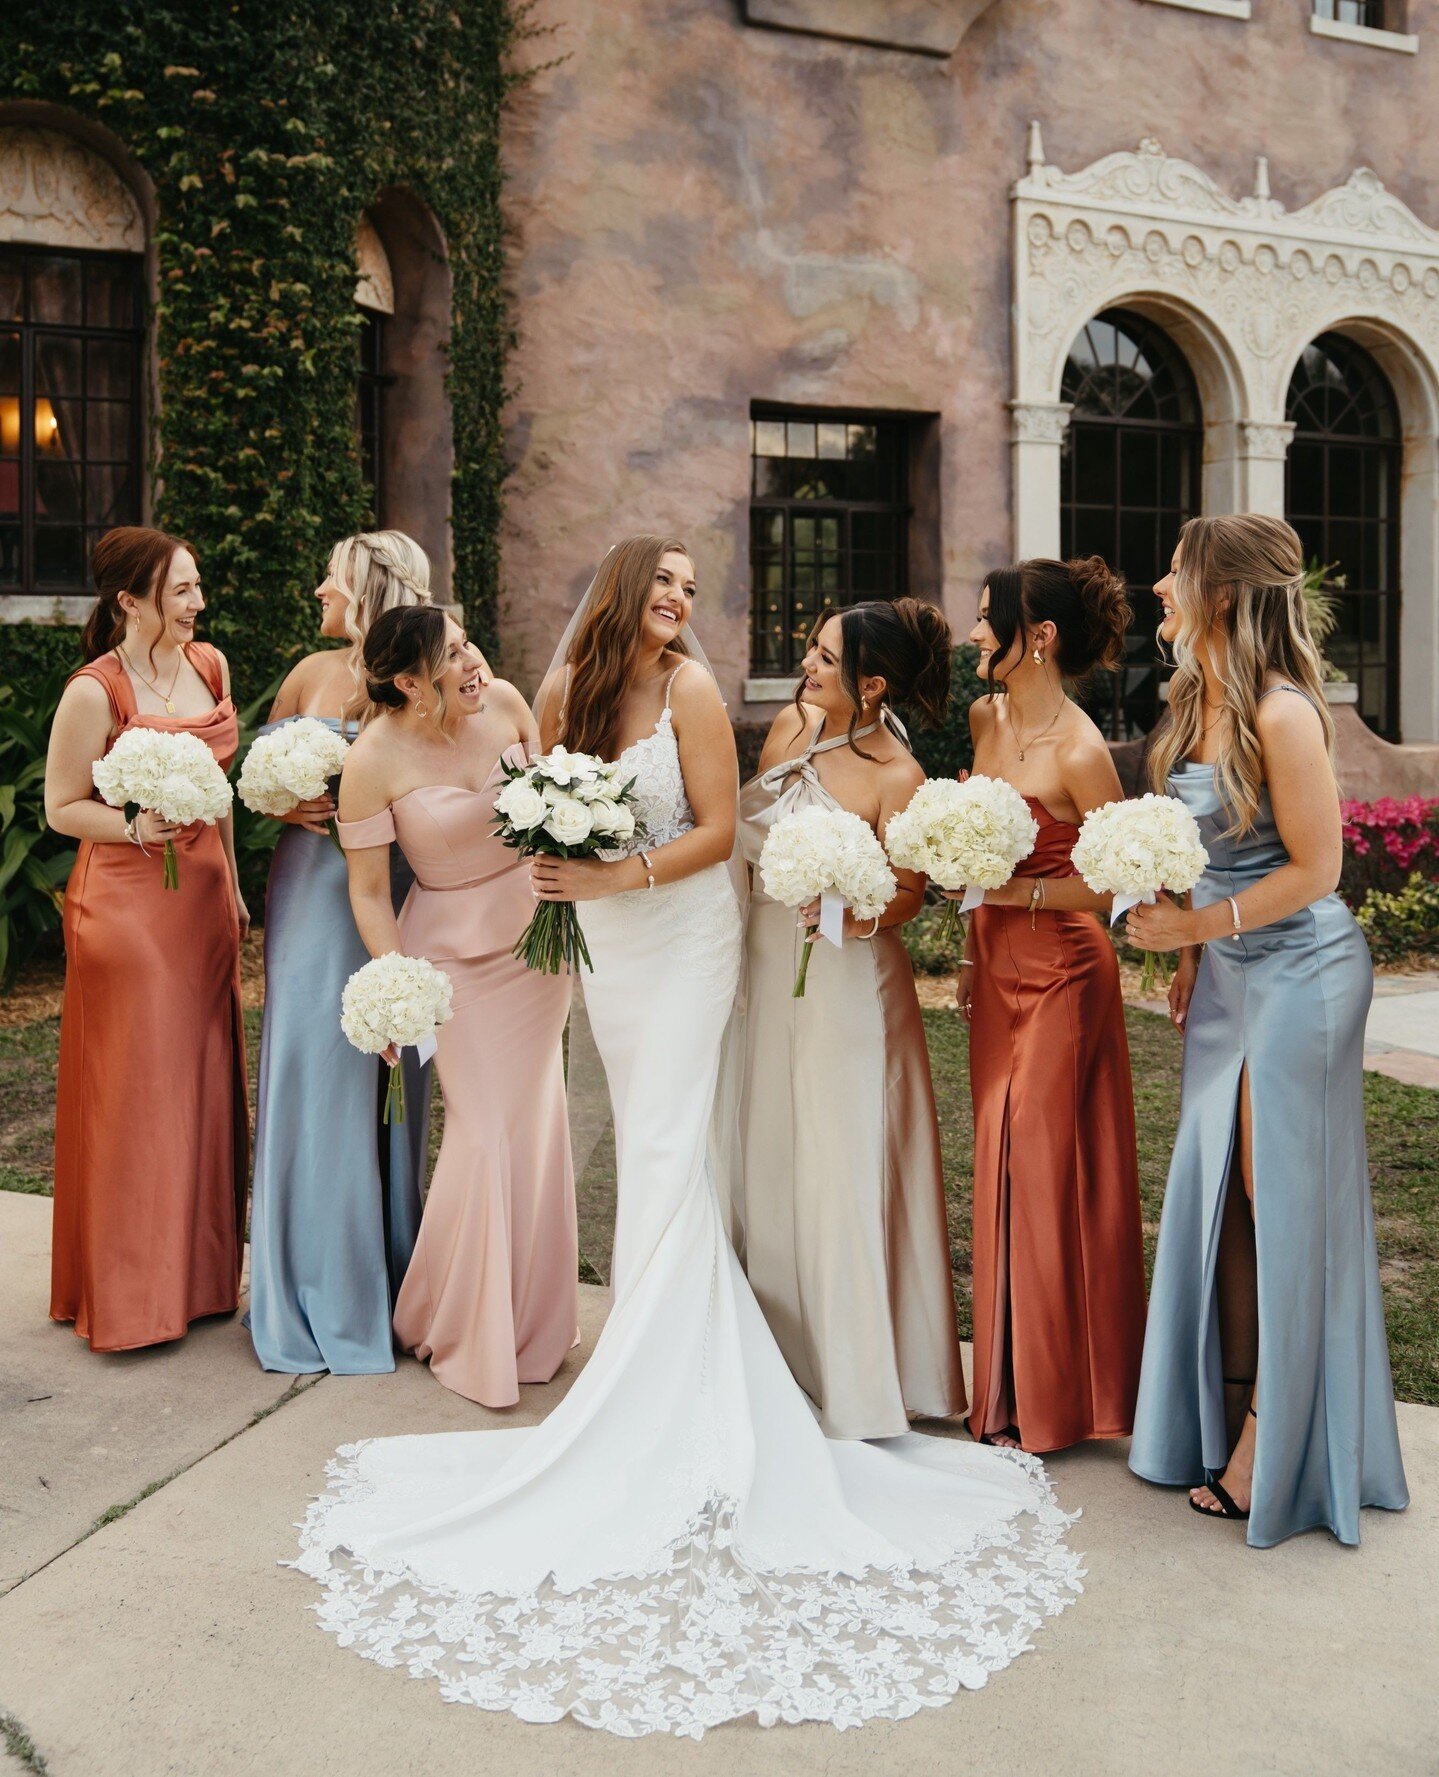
490, 1299
1058, 1250
151, 1130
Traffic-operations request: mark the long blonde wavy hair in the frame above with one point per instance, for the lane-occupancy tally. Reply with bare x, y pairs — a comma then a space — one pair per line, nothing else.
1239, 580
379, 570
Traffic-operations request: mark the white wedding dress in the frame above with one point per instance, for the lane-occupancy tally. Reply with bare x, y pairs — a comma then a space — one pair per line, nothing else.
678, 1544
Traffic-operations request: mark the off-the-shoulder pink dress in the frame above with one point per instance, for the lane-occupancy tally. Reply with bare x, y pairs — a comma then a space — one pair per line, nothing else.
490, 1298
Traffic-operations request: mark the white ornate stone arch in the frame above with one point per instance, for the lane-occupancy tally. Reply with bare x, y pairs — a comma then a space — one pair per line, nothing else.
1242, 285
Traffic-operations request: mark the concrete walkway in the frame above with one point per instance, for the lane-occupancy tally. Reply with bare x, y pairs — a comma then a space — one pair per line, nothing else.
170, 1641
1401, 1038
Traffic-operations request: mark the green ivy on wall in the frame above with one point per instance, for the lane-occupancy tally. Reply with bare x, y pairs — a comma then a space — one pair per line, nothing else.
266, 130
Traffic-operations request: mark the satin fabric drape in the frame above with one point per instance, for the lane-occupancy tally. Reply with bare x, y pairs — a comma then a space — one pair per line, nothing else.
1286, 1004
840, 1191
151, 1127
1058, 1249
491, 1296
335, 1204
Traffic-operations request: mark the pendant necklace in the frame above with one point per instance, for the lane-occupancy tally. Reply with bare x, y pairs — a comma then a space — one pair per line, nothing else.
1019, 739
167, 697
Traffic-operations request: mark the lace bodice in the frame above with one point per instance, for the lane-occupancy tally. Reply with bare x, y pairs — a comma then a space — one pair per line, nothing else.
661, 806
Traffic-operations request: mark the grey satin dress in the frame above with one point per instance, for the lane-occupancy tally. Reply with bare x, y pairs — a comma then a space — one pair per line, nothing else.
1288, 1002
336, 1194
839, 1212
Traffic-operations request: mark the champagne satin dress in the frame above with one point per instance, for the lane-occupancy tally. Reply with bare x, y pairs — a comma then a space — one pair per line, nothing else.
839, 1211
1285, 1004
1058, 1244
151, 1128
491, 1296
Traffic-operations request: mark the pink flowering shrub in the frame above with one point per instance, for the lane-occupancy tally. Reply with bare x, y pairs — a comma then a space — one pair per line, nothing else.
1385, 841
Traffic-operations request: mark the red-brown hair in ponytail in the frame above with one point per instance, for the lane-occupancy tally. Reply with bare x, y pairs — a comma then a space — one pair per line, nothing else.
132, 558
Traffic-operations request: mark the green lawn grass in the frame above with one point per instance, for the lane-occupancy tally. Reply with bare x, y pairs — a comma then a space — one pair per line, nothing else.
1403, 1123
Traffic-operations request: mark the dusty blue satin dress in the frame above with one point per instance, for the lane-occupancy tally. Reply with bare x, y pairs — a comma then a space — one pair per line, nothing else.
336, 1195
1289, 1002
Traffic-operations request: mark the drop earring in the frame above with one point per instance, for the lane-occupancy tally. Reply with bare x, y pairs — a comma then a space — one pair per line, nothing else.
1038, 658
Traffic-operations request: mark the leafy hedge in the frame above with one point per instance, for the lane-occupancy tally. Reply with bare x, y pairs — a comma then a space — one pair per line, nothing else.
266, 132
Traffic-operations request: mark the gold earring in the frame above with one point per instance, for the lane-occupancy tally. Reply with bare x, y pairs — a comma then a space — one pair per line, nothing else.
419, 708
1038, 658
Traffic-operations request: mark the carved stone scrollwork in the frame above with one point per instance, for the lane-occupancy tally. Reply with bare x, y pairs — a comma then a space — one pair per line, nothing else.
54, 192
1039, 422
1263, 279
1269, 441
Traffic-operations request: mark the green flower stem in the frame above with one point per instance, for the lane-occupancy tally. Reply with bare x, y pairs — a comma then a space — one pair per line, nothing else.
803, 970
395, 1093
553, 941
170, 872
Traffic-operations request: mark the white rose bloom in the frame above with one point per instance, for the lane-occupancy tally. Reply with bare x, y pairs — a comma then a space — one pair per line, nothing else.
569, 822
521, 804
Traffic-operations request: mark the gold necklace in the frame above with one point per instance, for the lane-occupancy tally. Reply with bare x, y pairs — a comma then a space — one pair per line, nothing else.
1019, 739
166, 697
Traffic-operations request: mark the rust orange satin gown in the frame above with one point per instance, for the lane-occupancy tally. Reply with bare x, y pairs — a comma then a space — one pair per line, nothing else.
1058, 1250
151, 1132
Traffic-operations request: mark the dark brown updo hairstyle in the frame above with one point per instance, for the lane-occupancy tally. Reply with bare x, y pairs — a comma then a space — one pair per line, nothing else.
907, 643
132, 558
1084, 599
405, 639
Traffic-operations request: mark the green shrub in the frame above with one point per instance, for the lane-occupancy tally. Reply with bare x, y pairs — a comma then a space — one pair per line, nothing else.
34, 860
947, 751
1402, 924
921, 940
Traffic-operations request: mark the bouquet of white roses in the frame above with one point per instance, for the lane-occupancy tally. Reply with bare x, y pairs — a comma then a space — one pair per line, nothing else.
395, 999
1133, 849
832, 855
174, 775
968, 835
295, 764
563, 805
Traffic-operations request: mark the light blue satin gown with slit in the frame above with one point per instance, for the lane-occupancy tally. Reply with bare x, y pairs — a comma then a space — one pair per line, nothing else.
1288, 1003
336, 1194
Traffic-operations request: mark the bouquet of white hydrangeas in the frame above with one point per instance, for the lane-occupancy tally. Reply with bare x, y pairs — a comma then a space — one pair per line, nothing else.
174, 775
295, 764
397, 1000
830, 855
563, 805
968, 835
1133, 849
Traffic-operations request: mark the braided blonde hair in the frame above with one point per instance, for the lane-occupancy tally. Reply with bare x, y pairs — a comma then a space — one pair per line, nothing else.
377, 570
1258, 562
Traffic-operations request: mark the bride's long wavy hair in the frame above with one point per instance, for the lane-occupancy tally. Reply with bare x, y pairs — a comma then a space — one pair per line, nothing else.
1240, 577
605, 648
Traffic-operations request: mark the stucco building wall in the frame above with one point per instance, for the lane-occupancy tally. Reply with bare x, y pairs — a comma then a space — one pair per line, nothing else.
705, 213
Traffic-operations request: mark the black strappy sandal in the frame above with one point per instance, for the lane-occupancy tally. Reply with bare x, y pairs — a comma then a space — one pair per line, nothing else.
1227, 1507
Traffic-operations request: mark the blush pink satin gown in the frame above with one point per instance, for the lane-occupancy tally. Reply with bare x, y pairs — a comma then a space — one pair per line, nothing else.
490, 1299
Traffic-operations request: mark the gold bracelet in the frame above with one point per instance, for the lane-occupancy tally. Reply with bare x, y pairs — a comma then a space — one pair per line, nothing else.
1036, 899
648, 863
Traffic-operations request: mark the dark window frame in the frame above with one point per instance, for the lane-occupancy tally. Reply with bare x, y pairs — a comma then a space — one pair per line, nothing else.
1126, 703
371, 383
21, 572
1366, 436
1372, 15
782, 617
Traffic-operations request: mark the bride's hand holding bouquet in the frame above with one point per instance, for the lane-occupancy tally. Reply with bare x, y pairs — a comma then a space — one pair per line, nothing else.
565, 810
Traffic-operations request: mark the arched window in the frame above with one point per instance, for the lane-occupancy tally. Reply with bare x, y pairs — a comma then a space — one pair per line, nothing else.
72, 338
1342, 496
1130, 477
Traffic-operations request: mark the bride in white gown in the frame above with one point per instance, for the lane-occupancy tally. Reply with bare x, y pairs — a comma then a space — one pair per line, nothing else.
678, 1544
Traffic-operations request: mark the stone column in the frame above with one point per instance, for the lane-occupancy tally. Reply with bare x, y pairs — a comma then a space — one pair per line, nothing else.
1037, 439
1263, 451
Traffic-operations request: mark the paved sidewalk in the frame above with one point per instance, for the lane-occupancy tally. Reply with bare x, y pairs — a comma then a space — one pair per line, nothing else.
1402, 1035
170, 1643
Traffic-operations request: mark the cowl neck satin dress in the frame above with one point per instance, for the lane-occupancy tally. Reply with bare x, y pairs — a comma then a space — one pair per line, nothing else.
1058, 1241
839, 1206
491, 1296
151, 1126
1286, 1002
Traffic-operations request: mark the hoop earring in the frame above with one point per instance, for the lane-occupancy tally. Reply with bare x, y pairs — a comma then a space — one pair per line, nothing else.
420, 709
